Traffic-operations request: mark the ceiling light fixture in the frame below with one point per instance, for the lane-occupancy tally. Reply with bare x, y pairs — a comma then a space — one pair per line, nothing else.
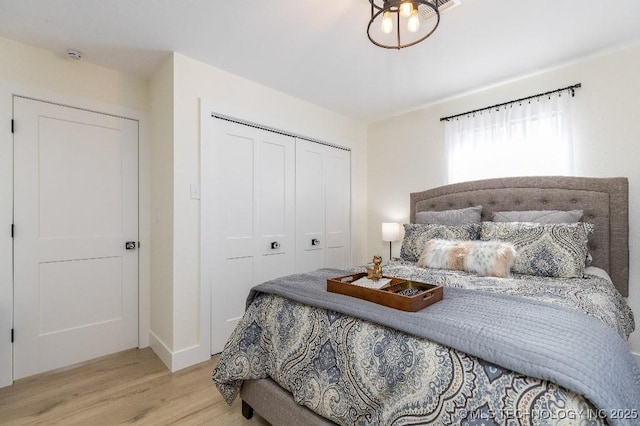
396, 24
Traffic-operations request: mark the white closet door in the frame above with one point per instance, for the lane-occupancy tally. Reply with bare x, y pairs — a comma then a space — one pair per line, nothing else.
275, 181
310, 205
323, 206
248, 184
338, 208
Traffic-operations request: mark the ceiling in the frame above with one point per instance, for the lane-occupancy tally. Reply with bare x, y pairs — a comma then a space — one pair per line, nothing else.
319, 51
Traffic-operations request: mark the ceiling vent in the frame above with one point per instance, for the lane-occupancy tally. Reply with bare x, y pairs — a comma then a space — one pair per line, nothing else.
427, 13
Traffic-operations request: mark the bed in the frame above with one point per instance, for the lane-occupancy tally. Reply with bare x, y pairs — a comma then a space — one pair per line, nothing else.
300, 358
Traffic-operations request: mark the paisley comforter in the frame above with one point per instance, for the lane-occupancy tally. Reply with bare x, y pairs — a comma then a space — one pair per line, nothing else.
358, 372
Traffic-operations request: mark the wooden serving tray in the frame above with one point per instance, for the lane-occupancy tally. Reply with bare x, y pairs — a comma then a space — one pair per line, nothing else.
428, 294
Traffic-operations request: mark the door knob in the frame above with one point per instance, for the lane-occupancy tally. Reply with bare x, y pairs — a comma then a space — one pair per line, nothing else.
315, 242
275, 245
130, 245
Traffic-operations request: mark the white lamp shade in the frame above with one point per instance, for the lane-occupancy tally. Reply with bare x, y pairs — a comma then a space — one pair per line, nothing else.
390, 231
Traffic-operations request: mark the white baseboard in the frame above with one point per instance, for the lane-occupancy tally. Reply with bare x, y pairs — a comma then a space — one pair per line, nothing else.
160, 349
180, 359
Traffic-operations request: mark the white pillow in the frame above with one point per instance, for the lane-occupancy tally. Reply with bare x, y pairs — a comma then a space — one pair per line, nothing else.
484, 258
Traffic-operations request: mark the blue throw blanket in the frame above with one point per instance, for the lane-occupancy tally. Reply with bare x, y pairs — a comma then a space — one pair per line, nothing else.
540, 340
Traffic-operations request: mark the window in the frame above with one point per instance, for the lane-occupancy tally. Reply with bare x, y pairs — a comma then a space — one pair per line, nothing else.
519, 139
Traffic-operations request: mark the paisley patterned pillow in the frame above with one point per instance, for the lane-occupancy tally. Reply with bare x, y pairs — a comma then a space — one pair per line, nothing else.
417, 234
549, 250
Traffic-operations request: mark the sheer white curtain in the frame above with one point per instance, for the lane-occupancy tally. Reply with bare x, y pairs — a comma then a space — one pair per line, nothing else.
522, 139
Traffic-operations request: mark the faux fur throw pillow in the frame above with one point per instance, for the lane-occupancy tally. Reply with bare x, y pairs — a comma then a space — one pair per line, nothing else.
484, 258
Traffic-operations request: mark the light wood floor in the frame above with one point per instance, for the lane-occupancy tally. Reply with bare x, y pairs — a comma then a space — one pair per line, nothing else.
132, 386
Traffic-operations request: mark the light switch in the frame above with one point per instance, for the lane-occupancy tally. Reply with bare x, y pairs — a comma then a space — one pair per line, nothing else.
195, 191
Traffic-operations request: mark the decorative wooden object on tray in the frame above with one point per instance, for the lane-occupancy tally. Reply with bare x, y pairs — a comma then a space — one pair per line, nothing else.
375, 273
397, 293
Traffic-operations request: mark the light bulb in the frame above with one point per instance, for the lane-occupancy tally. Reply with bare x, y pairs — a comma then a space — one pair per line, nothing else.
414, 21
387, 23
405, 9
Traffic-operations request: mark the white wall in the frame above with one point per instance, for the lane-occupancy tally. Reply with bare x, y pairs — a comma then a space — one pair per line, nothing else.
606, 130
33, 72
161, 88
170, 281
53, 71
229, 94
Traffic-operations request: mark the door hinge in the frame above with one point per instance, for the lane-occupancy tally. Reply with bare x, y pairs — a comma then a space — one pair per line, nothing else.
12, 335
12, 125
12, 227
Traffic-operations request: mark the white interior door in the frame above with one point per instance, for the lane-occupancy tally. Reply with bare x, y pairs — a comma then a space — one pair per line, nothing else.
248, 217
75, 206
323, 206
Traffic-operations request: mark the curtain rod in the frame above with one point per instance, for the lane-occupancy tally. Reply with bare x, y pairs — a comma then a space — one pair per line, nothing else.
572, 88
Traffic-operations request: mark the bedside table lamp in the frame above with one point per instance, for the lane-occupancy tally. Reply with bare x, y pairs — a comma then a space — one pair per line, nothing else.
390, 232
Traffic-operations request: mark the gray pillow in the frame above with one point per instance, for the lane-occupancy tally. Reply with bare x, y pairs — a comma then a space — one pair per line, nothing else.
539, 216
417, 234
548, 250
451, 217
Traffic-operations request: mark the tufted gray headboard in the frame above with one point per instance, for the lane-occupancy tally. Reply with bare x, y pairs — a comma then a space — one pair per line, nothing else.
603, 200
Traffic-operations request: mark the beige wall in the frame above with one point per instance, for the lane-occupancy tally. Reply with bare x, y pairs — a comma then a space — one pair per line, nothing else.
606, 130
397, 156
172, 99
161, 289
235, 96
53, 71
41, 74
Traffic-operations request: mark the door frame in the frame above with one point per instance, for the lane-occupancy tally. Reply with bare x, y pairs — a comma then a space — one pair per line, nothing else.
7, 91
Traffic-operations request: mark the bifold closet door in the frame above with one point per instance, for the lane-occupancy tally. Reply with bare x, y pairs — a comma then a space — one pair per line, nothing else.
338, 208
323, 193
248, 217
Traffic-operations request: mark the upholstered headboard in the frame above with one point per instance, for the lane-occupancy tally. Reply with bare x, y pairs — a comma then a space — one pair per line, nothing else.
603, 200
